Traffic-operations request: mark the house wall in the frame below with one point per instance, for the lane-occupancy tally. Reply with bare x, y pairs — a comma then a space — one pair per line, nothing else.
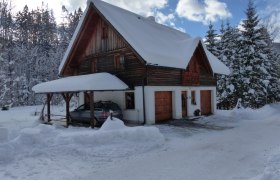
177, 101
95, 52
119, 98
136, 115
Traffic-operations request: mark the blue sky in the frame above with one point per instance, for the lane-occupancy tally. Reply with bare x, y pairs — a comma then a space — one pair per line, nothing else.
235, 7
191, 16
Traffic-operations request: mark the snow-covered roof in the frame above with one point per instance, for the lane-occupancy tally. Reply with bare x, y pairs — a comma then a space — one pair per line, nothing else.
217, 66
155, 43
91, 82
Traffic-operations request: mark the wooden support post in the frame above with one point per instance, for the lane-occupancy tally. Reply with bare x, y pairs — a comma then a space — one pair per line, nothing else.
49, 98
91, 104
67, 97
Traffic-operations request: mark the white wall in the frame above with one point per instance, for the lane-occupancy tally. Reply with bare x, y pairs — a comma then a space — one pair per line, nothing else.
115, 96
119, 98
176, 100
136, 115
81, 98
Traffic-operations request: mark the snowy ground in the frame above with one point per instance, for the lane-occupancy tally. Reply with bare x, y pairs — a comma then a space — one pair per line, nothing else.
239, 144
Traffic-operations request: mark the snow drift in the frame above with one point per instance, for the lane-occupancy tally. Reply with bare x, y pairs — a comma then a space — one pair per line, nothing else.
112, 139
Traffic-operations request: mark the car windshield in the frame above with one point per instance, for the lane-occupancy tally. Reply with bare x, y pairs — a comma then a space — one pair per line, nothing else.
83, 107
106, 106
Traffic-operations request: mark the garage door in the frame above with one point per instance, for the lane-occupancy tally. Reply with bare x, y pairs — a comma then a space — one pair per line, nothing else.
205, 102
163, 106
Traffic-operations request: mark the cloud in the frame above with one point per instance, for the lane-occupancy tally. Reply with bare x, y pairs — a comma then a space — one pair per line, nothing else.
72, 5
149, 8
168, 20
164, 19
270, 15
145, 8
209, 10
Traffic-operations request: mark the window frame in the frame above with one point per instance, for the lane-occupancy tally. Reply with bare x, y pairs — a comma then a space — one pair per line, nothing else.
193, 97
94, 66
104, 32
119, 62
132, 96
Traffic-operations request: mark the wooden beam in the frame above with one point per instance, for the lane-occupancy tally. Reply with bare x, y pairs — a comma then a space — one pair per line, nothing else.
67, 97
49, 98
91, 104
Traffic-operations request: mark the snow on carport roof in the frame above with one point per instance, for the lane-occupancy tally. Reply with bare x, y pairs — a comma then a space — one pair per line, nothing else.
155, 43
91, 82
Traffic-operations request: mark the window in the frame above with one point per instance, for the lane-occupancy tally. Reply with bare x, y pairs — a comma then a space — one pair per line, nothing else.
119, 62
193, 98
104, 38
94, 66
129, 100
104, 32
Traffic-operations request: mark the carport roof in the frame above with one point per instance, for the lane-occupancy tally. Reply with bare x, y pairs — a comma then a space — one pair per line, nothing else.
91, 82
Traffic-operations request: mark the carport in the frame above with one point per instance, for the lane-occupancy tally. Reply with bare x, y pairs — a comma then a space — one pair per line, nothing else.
68, 86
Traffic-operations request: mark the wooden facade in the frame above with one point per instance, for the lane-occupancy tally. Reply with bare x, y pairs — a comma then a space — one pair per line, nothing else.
205, 102
99, 47
163, 106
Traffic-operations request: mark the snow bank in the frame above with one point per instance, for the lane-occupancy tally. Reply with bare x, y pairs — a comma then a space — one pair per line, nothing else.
113, 139
266, 112
115, 133
114, 124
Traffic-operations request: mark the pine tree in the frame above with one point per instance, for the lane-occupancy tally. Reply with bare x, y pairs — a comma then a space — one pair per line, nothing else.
211, 40
271, 61
31, 51
254, 67
229, 46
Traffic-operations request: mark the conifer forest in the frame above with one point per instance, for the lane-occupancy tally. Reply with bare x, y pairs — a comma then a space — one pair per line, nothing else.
32, 45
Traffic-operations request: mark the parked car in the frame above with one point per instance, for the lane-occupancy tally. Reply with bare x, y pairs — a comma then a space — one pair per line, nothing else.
101, 112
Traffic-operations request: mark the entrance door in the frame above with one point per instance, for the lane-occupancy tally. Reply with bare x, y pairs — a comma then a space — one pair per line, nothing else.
205, 102
184, 103
163, 106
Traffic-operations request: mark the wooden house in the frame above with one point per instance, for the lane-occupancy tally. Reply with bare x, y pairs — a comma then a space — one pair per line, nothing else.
169, 73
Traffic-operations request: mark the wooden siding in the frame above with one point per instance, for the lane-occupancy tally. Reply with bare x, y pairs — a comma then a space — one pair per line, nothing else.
198, 72
159, 76
163, 106
132, 74
205, 102
98, 43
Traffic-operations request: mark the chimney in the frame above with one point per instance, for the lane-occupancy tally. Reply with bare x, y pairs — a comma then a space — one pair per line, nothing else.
151, 18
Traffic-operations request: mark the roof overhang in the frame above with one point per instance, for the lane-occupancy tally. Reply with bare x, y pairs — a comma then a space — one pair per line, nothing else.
82, 83
166, 47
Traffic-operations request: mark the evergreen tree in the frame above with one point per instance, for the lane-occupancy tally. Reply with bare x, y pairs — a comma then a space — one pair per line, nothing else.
271, 62
211, 40
31, 51
254, 67
6, 22
23, 25
229, 46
